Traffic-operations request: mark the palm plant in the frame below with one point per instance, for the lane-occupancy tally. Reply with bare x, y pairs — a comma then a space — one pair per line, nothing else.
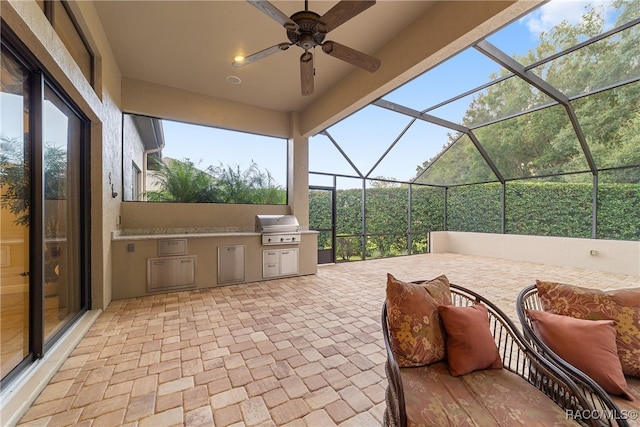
251, 186
182, 182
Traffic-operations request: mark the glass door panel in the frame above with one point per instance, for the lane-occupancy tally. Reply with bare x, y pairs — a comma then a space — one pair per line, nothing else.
322, 219
62, 131
15, 185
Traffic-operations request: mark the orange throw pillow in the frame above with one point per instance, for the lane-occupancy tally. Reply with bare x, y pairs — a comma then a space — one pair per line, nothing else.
622, 305
416, 335
589, 345
470, 345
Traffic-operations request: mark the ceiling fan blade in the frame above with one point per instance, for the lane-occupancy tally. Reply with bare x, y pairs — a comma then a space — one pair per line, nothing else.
306, 73
275, 14
352, 56
259, 55
343, 11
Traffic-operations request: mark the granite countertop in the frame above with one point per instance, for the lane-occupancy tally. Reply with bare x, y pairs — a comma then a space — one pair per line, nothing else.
183, 232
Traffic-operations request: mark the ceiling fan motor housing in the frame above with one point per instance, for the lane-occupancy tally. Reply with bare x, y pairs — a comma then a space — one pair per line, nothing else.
309, 32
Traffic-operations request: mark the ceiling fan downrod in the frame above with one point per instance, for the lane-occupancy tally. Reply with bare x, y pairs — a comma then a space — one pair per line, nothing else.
308, 29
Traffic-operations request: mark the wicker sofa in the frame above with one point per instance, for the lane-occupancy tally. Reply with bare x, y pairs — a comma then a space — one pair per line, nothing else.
589, 305
528, 390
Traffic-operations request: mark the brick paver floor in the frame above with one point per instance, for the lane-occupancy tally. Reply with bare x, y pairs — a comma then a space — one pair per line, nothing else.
303, 351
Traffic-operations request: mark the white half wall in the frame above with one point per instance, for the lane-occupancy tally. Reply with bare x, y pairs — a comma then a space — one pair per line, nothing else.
612, 256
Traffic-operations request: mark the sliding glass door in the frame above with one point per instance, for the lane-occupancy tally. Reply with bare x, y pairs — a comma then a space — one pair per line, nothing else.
44, 213
15, 146
62, 136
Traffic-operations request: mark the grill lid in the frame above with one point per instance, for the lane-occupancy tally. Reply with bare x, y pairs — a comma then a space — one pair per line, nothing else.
277, 224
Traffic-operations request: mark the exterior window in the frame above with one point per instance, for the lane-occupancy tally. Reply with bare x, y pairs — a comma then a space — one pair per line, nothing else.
65, 25
136, 181
185, 163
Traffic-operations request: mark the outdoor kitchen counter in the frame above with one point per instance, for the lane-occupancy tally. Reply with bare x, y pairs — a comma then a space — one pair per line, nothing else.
156, 234
181, 235
133, 248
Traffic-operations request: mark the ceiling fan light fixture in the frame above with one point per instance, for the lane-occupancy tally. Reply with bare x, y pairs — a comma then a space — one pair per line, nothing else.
307, 29
238, 59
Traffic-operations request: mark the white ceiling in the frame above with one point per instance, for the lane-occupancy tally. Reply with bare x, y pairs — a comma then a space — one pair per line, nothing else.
191, 44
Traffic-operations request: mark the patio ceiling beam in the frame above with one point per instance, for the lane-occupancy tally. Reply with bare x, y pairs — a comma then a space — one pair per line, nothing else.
393, 144
444, 123
486, 157
419, 115
592, 40
497, 55
518, 69
333, 141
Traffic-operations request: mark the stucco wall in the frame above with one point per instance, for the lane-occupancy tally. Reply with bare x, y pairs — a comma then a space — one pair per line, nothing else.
133, 154
150, 99
613, 256
196, 215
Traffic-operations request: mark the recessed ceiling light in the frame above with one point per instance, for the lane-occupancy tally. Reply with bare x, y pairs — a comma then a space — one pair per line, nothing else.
234, 80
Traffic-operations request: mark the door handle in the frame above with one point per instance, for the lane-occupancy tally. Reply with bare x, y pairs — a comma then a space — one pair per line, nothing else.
25, 274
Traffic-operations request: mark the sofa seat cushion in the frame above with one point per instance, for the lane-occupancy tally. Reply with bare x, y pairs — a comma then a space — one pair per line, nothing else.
632, 409
494, 397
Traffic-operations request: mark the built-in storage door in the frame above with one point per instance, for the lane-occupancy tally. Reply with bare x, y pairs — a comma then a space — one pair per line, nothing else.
322, 218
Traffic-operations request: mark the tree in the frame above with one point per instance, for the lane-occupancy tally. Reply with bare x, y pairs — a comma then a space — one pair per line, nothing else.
15, 176
542, 141
249, 186
14, 179
183, 182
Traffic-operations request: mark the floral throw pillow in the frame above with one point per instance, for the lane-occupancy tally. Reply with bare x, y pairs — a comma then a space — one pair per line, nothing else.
622, 305
438, 288
416, 333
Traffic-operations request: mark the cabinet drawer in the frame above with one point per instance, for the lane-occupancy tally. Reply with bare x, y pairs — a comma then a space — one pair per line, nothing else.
168, 247
271, 269
270, 257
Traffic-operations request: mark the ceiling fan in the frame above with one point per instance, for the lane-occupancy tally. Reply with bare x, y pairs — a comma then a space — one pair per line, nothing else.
307, 30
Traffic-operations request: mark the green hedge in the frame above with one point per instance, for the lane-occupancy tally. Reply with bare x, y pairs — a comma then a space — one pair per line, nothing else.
618, 210
475, 208
540, 209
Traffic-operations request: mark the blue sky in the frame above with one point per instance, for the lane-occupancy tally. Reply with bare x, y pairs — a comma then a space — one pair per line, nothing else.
207, 146
366, 135
12, 125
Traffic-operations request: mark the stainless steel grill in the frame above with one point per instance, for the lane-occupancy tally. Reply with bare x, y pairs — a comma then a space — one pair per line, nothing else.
278, 229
